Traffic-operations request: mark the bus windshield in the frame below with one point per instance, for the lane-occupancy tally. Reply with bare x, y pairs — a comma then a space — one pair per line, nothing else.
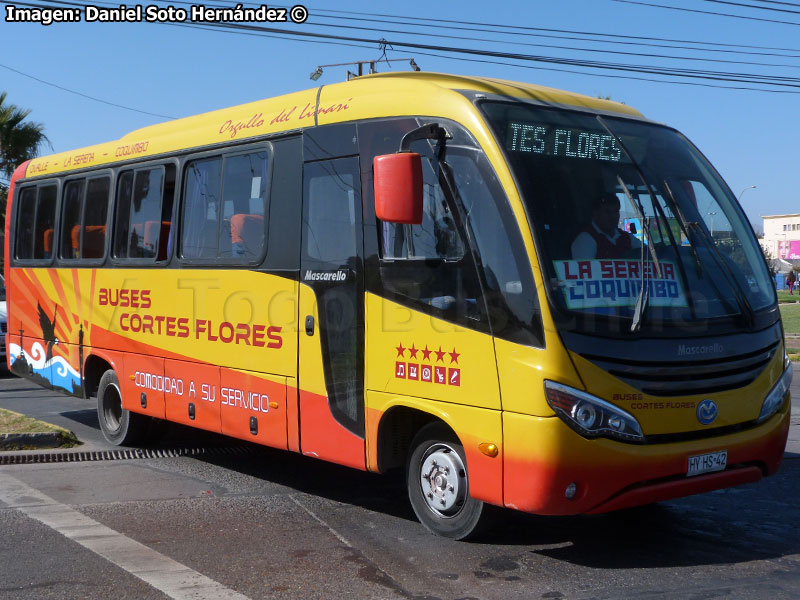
634, 227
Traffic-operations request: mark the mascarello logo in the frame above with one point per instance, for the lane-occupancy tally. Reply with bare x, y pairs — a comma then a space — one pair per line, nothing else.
716, 348
707, 412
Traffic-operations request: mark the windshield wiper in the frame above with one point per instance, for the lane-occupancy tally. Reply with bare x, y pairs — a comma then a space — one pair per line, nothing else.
644, 290
639, 210
684, 224
644, 293
642, 300
745, 307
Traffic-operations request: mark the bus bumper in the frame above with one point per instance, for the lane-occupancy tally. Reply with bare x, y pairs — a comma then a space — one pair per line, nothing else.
543, 457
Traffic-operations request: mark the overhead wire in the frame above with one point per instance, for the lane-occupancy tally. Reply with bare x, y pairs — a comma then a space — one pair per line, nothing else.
690, 73
669, 73
211, 27
602, 75
437, 23
743, 5
706, 12
615, 36
777, 2
577, 36
60, 87
440, 35
755, 79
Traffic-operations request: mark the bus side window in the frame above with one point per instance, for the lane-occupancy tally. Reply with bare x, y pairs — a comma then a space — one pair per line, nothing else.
428, 263
201, 192
71, 218
245, 196
123, 242
26, 223
435, 238
45, 222
144, 212
36, 217
83, 218
510, 290
226, 207
95, 216
165, 242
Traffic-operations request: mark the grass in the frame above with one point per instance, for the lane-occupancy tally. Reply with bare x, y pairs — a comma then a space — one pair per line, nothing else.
790, 314
783, 296
12, 422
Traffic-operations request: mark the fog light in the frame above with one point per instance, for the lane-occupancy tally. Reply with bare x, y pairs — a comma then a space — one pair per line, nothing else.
571, 490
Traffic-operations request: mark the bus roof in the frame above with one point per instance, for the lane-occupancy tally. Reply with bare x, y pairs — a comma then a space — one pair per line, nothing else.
371, 96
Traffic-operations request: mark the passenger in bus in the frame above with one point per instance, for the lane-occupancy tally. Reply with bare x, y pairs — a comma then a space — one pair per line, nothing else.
602, 237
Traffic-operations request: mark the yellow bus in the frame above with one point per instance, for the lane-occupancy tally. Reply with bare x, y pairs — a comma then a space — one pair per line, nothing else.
522, 296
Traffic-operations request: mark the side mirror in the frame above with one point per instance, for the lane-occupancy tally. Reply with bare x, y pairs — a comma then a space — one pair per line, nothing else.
398, 187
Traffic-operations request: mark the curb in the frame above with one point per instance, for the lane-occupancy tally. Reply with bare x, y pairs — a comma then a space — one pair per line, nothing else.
48, 439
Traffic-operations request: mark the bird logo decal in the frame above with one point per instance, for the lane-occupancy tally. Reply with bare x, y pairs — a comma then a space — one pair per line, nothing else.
48, 330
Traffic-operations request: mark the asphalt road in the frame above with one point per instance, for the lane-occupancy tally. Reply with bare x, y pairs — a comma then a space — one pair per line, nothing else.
257, 523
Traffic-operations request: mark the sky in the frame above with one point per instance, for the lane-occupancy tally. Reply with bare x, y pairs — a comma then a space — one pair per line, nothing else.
157, 71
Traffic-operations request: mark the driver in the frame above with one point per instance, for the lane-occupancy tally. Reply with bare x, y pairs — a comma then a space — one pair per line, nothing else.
602, 238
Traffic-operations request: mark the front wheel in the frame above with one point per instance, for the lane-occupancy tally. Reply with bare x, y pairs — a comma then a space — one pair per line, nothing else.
119, 426
438, 484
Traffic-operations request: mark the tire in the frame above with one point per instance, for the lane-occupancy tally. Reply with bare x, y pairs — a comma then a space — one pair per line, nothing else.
438, 484
119, 426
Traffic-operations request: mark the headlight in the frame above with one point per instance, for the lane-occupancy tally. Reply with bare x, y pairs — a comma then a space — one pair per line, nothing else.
590, 416
777, 395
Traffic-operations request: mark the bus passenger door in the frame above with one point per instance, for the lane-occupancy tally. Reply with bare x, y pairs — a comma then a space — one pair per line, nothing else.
331, 314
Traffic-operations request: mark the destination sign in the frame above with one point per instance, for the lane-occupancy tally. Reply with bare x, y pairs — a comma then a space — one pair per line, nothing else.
606, 283
568, 142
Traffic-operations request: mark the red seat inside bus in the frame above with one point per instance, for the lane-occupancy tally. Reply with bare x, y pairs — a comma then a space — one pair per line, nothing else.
247, 234
47, 242
94, 241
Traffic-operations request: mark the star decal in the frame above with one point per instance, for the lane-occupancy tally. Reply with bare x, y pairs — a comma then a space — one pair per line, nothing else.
412, 352
400, 350
454, 356
440, 354
426, 354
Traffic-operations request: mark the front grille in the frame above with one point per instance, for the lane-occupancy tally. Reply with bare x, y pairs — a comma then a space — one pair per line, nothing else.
688, 377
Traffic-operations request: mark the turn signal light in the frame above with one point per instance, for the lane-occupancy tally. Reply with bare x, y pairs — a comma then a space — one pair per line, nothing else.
490, 450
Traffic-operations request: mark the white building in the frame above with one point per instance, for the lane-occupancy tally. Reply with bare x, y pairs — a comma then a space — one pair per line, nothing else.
782, 236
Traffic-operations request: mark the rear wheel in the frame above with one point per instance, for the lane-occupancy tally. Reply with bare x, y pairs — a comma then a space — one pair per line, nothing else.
119, 426
438, 484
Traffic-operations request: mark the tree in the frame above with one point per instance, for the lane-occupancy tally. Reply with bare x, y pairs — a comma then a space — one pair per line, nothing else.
770, 262
19, 141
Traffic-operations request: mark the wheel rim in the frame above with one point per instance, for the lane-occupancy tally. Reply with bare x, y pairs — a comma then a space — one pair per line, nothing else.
112, 407
443, 479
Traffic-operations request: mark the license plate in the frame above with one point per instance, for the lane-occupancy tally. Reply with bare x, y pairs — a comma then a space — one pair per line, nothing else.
707, 463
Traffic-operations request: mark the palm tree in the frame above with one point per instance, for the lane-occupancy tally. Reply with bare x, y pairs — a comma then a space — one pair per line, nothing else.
18, 141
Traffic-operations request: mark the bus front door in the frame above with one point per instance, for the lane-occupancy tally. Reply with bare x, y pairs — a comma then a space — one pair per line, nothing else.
331, 314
